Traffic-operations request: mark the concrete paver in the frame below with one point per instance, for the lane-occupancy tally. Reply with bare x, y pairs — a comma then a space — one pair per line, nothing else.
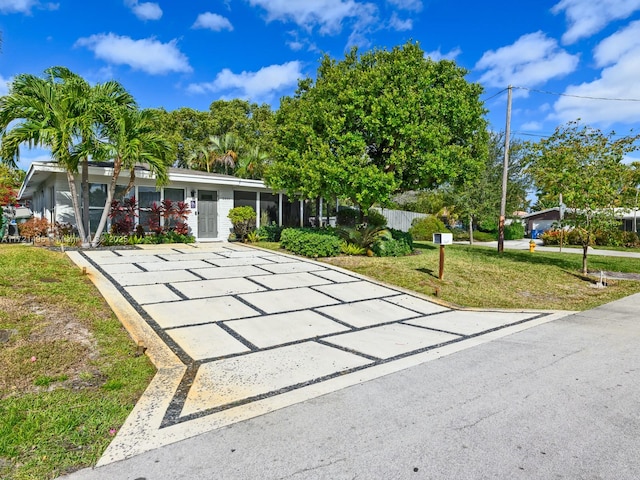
238, 332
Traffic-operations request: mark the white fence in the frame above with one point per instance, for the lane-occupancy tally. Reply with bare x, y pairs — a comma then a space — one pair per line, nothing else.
399, 219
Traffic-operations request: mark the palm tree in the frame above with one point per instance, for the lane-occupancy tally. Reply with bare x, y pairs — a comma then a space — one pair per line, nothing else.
253, 163
47, 115
130, 139
220, 154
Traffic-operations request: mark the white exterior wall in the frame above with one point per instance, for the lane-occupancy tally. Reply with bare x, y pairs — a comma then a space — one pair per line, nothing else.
225, 204
64, 205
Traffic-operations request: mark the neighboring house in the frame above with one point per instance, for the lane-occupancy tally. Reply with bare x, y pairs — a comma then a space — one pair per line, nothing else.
544, 219
538, 222
210, 197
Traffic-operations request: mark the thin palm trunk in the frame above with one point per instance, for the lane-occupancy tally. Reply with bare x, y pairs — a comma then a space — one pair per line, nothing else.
84, 184
76, 207
117, 167
470, 230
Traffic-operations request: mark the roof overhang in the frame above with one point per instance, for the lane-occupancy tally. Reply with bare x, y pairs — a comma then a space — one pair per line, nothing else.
41, 171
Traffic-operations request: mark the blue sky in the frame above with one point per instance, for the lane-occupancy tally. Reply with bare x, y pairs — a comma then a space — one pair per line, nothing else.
172, 54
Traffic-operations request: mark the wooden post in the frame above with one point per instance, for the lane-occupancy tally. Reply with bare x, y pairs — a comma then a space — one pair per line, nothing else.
441, 270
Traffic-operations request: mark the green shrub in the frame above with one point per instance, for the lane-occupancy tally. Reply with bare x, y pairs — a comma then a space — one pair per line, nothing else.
515, 231
402, 236
391, 248
347, 217
484, 236
310, 243
243, 220
352, 249
489, 225
376, 219
270, 232
424, 228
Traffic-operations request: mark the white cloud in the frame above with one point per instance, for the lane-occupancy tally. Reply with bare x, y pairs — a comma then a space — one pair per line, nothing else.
145, 10
437, 55
147, 54
414, 5
587, 17
400, 25
532, 60
618, 56
4, 85
612, 48
13, 6
531, 126
212, 21
25, 6
257, 86
328, 15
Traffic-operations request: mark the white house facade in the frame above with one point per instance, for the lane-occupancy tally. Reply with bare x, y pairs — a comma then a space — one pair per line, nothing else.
209, 196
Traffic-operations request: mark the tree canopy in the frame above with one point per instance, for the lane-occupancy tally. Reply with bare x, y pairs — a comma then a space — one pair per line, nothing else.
189, 131
586, 167
377, 123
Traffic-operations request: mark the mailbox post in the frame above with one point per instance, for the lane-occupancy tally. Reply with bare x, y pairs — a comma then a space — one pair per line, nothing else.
442, 239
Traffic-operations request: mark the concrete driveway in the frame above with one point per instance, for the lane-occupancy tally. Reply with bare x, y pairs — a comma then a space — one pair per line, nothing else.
237, 332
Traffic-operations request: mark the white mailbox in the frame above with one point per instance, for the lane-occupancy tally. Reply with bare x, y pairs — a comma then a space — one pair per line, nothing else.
443, 238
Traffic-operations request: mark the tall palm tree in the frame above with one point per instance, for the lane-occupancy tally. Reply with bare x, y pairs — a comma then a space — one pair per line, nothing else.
130, 139
47, 116
90, 104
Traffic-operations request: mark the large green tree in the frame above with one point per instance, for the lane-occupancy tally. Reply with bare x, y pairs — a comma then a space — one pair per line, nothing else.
586, 167
377, 123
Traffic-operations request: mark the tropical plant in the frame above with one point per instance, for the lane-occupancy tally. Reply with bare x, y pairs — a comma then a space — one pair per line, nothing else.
131, 140
254, 236
218, 154
352, 249
364, 237
243, 220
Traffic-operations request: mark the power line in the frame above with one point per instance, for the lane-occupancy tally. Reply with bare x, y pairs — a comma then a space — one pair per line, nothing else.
546, 92
495, 95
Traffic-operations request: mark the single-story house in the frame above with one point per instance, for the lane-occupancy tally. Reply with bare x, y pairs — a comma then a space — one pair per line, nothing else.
210, 197
538, 222
544, 219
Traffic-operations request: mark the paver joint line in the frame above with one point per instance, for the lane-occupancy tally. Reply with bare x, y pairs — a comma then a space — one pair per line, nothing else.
288, 339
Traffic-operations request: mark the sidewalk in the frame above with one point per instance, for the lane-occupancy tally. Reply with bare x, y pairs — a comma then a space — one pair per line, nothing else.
555, 401
523, 244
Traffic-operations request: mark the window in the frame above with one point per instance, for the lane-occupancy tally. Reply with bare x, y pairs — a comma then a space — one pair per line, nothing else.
243, 199
269, 206
174, 194
147, 196
97, 199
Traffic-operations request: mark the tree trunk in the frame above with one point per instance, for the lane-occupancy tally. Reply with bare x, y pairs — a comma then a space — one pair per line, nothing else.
117, 166
84, 184
470, 230
318, 213
584, 258
76, 207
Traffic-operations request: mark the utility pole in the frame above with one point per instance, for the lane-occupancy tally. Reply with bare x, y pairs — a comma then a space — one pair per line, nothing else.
505, 174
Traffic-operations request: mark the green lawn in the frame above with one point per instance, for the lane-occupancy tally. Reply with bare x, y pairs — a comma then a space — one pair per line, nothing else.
69, 375
480, 277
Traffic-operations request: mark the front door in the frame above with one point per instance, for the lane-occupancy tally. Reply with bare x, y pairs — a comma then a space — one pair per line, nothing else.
207, 214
